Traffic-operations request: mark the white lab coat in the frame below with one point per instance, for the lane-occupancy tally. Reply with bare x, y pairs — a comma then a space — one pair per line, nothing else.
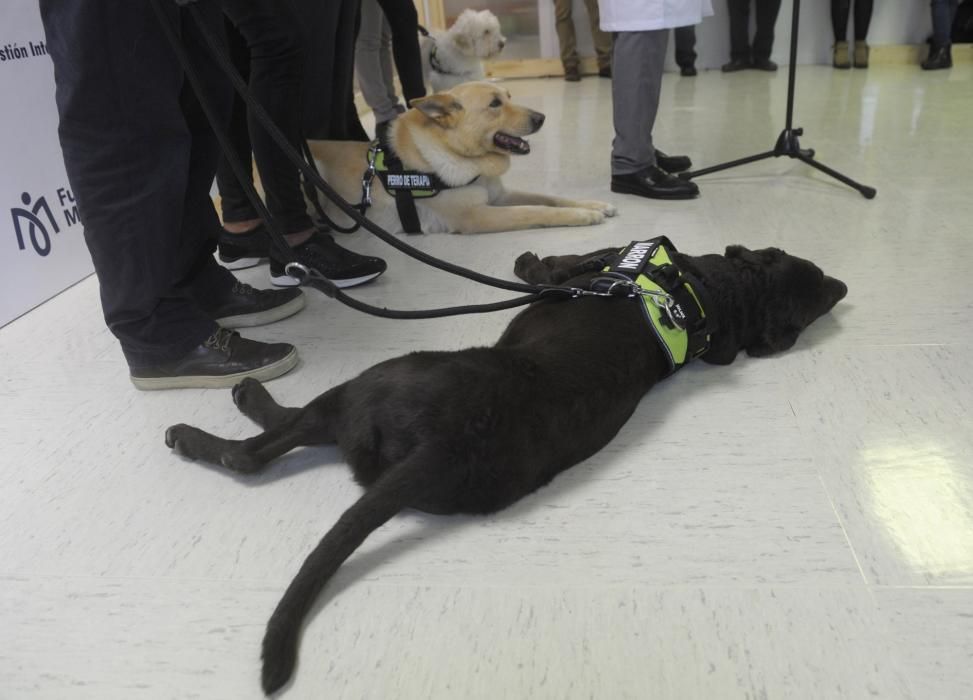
643, 15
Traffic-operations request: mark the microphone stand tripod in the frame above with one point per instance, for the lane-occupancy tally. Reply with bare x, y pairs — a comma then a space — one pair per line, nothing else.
788, 143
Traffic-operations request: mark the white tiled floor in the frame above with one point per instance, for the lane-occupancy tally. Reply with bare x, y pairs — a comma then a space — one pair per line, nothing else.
795, 527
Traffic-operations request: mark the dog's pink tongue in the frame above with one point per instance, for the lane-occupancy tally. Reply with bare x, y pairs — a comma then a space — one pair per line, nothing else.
511, 143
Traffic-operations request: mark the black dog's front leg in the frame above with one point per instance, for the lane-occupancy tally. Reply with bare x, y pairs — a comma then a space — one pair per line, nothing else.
243, 456
557, 269
256, 403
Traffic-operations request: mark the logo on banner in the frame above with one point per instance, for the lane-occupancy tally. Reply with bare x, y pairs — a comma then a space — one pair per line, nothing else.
35, 221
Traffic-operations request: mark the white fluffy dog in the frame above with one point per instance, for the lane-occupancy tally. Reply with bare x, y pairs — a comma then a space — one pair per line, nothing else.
455, 56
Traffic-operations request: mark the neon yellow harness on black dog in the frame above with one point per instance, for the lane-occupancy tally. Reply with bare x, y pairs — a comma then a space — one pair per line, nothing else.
671, 299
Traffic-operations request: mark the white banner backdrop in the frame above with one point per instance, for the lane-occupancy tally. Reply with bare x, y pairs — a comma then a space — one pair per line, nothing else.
42, 248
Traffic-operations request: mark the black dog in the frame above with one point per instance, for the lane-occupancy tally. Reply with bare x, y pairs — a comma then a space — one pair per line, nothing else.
473, 431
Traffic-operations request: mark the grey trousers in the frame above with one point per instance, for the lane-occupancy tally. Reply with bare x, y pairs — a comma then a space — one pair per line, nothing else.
637, 62
373, 62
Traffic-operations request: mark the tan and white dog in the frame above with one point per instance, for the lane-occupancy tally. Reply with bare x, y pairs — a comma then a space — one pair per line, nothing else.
464, 136
456, 55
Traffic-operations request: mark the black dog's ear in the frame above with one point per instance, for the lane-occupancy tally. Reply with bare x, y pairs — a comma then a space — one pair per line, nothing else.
774, 340
754, 257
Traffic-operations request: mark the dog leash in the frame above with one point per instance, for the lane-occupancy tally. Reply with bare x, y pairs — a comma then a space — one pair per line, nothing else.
293, 267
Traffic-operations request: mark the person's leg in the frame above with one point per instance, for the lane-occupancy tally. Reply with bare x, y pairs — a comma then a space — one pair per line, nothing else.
271, 35
940, 52
863, 18
840, 10
602, 40
567, 42
128, 154
637, 63
346, 126
404, 21
943, 12
234, 205
369, 63
763, 39
739, 11
685, 46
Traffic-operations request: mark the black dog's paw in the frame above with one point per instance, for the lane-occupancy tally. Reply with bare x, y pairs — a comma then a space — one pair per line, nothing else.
246, 391
185, 440
529, 268
241, 462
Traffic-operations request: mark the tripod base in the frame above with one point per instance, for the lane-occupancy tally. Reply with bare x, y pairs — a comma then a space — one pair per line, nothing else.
787, 145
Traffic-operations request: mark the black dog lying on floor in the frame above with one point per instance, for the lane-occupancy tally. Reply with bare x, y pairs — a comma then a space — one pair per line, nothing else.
474, 430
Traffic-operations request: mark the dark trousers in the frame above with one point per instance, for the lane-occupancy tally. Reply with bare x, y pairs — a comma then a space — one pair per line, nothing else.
840, 9
685, 46
265, 45
763, 39
404, 22
943, 12
140, 158
329, 29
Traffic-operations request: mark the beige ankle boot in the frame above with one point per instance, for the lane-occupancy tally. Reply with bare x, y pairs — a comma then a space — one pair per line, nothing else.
861, 54
841, 55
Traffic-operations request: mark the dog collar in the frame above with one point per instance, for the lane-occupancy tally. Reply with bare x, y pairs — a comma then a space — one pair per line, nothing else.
672, 300
438, 67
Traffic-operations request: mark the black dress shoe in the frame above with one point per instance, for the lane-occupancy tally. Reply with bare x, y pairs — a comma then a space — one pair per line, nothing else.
687, 71
940, 57
735, 65
243, 306
605, 72
655, 183
672, 164
572, 74
221, 361
765, 64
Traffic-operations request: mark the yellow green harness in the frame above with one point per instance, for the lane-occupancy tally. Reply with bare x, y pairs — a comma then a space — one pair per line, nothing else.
673, 301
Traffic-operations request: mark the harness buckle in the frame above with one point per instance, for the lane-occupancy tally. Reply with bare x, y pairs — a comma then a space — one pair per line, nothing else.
368, 176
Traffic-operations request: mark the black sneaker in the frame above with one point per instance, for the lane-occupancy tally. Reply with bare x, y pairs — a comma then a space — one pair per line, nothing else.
244, 306
340, 266
238, 251
220, 362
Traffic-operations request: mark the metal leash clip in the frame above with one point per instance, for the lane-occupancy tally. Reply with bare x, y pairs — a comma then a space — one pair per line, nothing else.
299, 271
366, 179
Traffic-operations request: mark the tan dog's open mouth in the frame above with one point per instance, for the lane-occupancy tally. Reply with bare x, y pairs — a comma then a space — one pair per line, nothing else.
511, 144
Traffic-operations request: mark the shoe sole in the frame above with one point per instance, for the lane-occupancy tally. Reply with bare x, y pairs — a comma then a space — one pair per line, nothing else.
631, 190
225, 381
261, 318
288, 281
240, 263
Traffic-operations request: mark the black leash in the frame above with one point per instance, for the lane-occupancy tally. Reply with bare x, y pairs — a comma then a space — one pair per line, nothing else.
293, 267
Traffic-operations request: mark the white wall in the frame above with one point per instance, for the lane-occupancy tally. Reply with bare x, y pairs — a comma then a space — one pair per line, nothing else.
49, 253
893, 22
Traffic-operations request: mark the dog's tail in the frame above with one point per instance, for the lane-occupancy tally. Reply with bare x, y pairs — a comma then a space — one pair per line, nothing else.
394, 490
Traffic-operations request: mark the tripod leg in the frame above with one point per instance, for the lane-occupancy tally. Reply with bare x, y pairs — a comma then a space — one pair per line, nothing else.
724, 166
866, 191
